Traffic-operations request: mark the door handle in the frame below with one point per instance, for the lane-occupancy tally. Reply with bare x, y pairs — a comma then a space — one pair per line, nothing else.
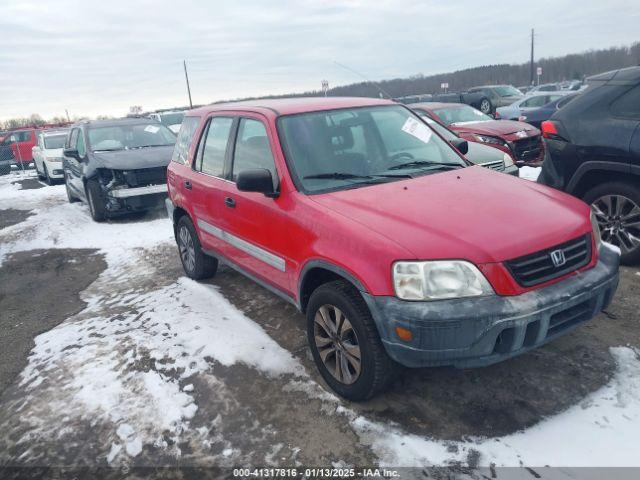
230, 202
187, 185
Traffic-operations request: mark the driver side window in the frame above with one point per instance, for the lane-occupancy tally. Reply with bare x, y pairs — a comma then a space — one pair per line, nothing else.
82, 149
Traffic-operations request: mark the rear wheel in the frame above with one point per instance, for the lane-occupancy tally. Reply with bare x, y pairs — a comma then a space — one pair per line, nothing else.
197, 264
47, 178
485, 106
96, 201
617, 209
345, 342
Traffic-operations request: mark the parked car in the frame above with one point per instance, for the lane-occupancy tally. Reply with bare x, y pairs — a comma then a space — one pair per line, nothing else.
594, 154
47, 154
545, 87
520, 140
536, 116
21, 142
521, 107
475, 152
117, 166
171, 120
396, 249
497, 96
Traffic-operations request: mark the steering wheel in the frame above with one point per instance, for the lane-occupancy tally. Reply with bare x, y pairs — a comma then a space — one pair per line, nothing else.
398, 156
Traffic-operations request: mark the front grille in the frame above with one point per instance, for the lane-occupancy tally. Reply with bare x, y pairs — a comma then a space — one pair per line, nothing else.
146, 176
528, 149
539, 267
497, 166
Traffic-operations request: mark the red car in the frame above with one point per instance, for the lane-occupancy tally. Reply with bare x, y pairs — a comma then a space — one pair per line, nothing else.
520, 140
398, 250
21, 142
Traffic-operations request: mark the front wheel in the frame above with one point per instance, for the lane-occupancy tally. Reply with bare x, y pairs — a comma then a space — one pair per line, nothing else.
70, 196
617, 209
345, 342
47, 178
96, 201
197, 264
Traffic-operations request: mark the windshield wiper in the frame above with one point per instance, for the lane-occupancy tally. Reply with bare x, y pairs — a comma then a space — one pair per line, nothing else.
353, 176
108, 150
422, 163
150, 146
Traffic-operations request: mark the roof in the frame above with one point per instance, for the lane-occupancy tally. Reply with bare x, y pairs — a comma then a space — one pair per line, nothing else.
61, 131
623, 76
115, 122
289, 106
431, 105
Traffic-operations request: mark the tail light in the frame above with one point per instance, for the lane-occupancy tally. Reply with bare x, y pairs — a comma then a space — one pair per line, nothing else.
550, 130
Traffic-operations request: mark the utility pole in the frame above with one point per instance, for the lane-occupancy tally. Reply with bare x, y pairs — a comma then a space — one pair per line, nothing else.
67, 112
186, 75
531, 75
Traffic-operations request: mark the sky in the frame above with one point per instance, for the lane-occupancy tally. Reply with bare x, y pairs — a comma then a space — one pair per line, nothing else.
101, 57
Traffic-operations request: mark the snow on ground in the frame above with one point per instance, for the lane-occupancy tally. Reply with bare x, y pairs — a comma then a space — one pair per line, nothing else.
125, 362
530, 173
602, 431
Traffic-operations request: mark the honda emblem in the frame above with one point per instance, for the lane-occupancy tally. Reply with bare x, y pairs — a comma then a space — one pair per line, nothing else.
558, 258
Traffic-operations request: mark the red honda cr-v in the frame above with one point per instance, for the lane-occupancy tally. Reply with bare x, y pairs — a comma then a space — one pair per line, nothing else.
398, 250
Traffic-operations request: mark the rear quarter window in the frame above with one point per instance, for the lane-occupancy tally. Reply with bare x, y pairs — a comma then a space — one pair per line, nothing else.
627, 105
185, 138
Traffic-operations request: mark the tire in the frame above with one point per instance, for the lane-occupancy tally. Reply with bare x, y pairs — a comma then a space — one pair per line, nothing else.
70, 196
38, 170
47, 178
196, 264
96, 201
355, 334
620, 227
485, 106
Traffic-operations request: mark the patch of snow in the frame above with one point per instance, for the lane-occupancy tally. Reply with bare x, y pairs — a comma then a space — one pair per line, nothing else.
125, 431
601, 432
530, 173
115, 450
188, 388
134, 447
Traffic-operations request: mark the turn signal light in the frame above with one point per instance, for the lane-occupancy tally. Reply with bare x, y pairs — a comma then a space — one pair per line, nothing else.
404, 334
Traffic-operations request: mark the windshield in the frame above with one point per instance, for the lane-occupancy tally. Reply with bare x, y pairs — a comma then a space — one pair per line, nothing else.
460, 114
54, 141
128, 136
171, 118
349, 148
444, 132
508, 91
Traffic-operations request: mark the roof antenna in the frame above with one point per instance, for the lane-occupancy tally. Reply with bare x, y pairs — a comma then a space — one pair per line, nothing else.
365, 78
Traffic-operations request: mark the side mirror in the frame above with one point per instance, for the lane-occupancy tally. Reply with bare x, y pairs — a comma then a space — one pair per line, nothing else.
71, 153
461, 145
256, 180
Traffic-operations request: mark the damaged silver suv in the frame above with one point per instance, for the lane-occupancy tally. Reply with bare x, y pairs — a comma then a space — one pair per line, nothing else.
117, 166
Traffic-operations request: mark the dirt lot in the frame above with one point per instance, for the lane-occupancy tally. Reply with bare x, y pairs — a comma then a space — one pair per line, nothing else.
110, 357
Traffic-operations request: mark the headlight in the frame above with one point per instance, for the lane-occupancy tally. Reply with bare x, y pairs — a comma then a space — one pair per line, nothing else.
439, 279
596, 230
508, 161
490, 140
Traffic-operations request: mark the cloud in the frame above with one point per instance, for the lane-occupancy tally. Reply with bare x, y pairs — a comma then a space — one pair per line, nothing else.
102, 57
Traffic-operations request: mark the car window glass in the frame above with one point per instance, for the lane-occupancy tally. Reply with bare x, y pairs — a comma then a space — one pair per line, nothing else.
536, 101
185, 138
628, 105
73, 139
252, 148
553, 98
215, 146
82, 151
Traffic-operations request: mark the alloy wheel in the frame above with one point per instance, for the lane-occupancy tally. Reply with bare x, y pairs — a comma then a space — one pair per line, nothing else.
187, 249
619, 221
485, 106
337, 344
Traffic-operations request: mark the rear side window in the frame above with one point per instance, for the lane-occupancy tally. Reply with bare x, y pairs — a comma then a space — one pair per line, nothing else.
214, 149
628, 105
185, 138
252, 148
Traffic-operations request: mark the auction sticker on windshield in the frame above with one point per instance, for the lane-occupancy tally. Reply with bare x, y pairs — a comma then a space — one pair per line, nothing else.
417, 129
151, 129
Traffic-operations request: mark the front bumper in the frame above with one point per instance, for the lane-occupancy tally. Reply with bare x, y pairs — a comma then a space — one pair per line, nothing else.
126, 200
138, 191
475, 332
54, 169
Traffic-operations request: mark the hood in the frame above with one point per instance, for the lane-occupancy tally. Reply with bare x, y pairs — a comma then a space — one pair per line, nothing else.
474, 214
479, 153
133, 159
53, 153
496, 128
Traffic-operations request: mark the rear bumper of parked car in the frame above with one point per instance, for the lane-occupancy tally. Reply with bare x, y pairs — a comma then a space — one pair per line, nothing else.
475, 332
